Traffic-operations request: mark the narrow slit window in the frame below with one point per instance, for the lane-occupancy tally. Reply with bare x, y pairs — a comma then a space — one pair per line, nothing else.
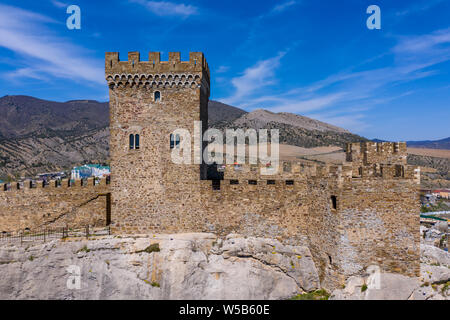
234, 181
289, 182
252, 182
334, 202
270, 181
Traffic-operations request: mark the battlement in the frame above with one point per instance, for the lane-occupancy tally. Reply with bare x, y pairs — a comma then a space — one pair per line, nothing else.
369, 153
114, 67
52, 184
336, 174
37, 204
286, 170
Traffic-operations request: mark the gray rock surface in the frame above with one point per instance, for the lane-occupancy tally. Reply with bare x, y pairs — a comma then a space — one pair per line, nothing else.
195, 266
433, 284
187, 266
433, 255
388, 286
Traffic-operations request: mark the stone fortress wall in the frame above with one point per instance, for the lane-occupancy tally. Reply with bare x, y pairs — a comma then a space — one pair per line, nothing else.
362, 212
35, 205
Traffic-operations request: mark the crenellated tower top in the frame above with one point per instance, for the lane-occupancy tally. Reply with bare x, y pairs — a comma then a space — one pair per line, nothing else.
157, 73
369, 153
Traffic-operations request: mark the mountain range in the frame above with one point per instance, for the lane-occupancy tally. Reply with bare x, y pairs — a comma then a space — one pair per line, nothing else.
431, 144
428, 144
39, 136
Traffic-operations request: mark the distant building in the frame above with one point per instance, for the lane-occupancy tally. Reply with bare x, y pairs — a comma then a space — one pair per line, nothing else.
428, 199
51, 176
442, 193
89, 170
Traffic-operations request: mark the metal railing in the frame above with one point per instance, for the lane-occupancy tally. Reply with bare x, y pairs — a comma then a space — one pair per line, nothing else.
48, 234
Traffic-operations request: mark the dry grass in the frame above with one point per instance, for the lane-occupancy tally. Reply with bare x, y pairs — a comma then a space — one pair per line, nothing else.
288, 152
439, 153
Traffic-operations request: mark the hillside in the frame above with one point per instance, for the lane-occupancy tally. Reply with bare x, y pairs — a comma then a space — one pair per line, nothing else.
40, 136
443, 144
218, 111
435, 171
23, 116
294, 129
431, 144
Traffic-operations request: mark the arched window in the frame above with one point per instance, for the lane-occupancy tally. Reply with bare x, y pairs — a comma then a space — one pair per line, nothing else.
131, 141
174, 141
157, 96
136, 141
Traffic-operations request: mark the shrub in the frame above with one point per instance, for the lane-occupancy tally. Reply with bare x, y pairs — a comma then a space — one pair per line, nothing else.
85, 249
445, 288
151, 248
320, 294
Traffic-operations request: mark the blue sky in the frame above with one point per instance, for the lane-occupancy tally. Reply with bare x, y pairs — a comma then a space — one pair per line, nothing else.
314, 58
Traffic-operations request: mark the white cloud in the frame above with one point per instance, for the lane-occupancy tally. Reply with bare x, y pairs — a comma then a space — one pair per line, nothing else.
222, 69
166, 8
26, 73
344, 98
418, 8
281, 7
254, 79
429, 43
353, 121
44, 54
296, 104
59, 4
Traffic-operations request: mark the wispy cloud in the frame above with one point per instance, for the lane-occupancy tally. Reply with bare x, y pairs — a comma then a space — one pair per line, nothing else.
299, 104
254, 78
420, 7
433, 43
222, 69
283, 6
254, 25
344, 98
59, 4
166, 8
44, 54
354, 121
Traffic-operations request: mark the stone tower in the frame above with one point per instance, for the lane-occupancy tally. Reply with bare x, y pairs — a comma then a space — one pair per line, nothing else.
148, 101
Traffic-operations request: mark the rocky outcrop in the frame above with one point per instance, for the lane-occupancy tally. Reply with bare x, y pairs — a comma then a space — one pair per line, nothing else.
195, 266
181, 266
433, 284
433, 255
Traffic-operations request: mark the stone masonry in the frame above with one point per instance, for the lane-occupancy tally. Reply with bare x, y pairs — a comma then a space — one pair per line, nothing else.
33, 205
